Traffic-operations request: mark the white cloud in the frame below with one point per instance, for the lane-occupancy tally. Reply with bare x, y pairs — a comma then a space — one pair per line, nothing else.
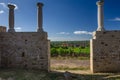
1, 11
70, 38
4, 5
64, 33
18, 28
16, 7
115, 19
82, 32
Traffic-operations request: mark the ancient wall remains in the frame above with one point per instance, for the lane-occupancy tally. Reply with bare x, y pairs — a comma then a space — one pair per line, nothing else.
24, 50
29, 50
105, 51
2, 29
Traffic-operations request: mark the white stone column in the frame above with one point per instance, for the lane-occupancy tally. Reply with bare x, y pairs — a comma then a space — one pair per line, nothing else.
39, 17
11, 18
100, 15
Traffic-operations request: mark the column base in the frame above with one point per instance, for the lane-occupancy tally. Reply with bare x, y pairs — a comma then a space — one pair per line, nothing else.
11, 30
100, 29
40, 30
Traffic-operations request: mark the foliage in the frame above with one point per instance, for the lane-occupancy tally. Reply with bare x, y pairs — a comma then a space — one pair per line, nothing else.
69, 49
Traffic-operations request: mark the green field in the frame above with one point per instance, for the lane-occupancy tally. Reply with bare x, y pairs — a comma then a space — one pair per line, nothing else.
70, 48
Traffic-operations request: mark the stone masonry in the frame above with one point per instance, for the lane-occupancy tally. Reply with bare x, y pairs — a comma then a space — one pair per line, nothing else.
29, 50
24, 49
105, 51
2, 29
105, 47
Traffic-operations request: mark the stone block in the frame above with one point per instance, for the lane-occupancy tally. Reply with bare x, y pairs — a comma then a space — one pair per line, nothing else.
105, 51
24, 49
2, 29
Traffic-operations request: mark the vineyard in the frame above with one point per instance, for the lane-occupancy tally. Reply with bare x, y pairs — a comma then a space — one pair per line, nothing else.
70, 48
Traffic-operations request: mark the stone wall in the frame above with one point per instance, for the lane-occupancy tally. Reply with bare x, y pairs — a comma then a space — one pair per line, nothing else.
2, 29
25, 50
105, 51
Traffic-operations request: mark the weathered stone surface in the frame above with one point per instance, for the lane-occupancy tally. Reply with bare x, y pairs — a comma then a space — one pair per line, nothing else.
105, 51
2, 29
24, 50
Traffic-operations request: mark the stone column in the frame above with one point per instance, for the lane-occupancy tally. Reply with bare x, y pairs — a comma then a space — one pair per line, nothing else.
39, 17
11, 18
100, 15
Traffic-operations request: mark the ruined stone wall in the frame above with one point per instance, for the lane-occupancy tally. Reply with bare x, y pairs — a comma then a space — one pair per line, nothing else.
105, 51
2, 29
24, 50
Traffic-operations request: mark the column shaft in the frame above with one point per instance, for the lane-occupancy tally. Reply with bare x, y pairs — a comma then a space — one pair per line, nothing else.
100, 16
39, 17
11, 18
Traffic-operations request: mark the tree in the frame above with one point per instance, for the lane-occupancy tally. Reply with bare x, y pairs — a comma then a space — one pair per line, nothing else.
54, 52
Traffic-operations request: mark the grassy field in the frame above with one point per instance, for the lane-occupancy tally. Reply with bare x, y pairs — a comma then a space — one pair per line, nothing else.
71, 63
22, 74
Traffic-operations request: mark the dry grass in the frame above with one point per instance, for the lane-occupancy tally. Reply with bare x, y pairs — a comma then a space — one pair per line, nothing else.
70, 64
69, 68
69, 58
22, 74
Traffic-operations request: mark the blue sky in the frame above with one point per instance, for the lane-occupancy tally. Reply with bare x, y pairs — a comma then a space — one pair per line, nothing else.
64, 20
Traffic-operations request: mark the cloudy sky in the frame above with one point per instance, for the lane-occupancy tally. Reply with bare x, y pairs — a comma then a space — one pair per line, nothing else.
63, 19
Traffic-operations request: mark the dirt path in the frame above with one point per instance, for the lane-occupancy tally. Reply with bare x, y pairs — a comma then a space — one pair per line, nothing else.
70, 63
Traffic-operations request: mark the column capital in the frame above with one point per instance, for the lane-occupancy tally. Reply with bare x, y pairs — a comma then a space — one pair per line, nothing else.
99, 3
40, 4
11, 6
